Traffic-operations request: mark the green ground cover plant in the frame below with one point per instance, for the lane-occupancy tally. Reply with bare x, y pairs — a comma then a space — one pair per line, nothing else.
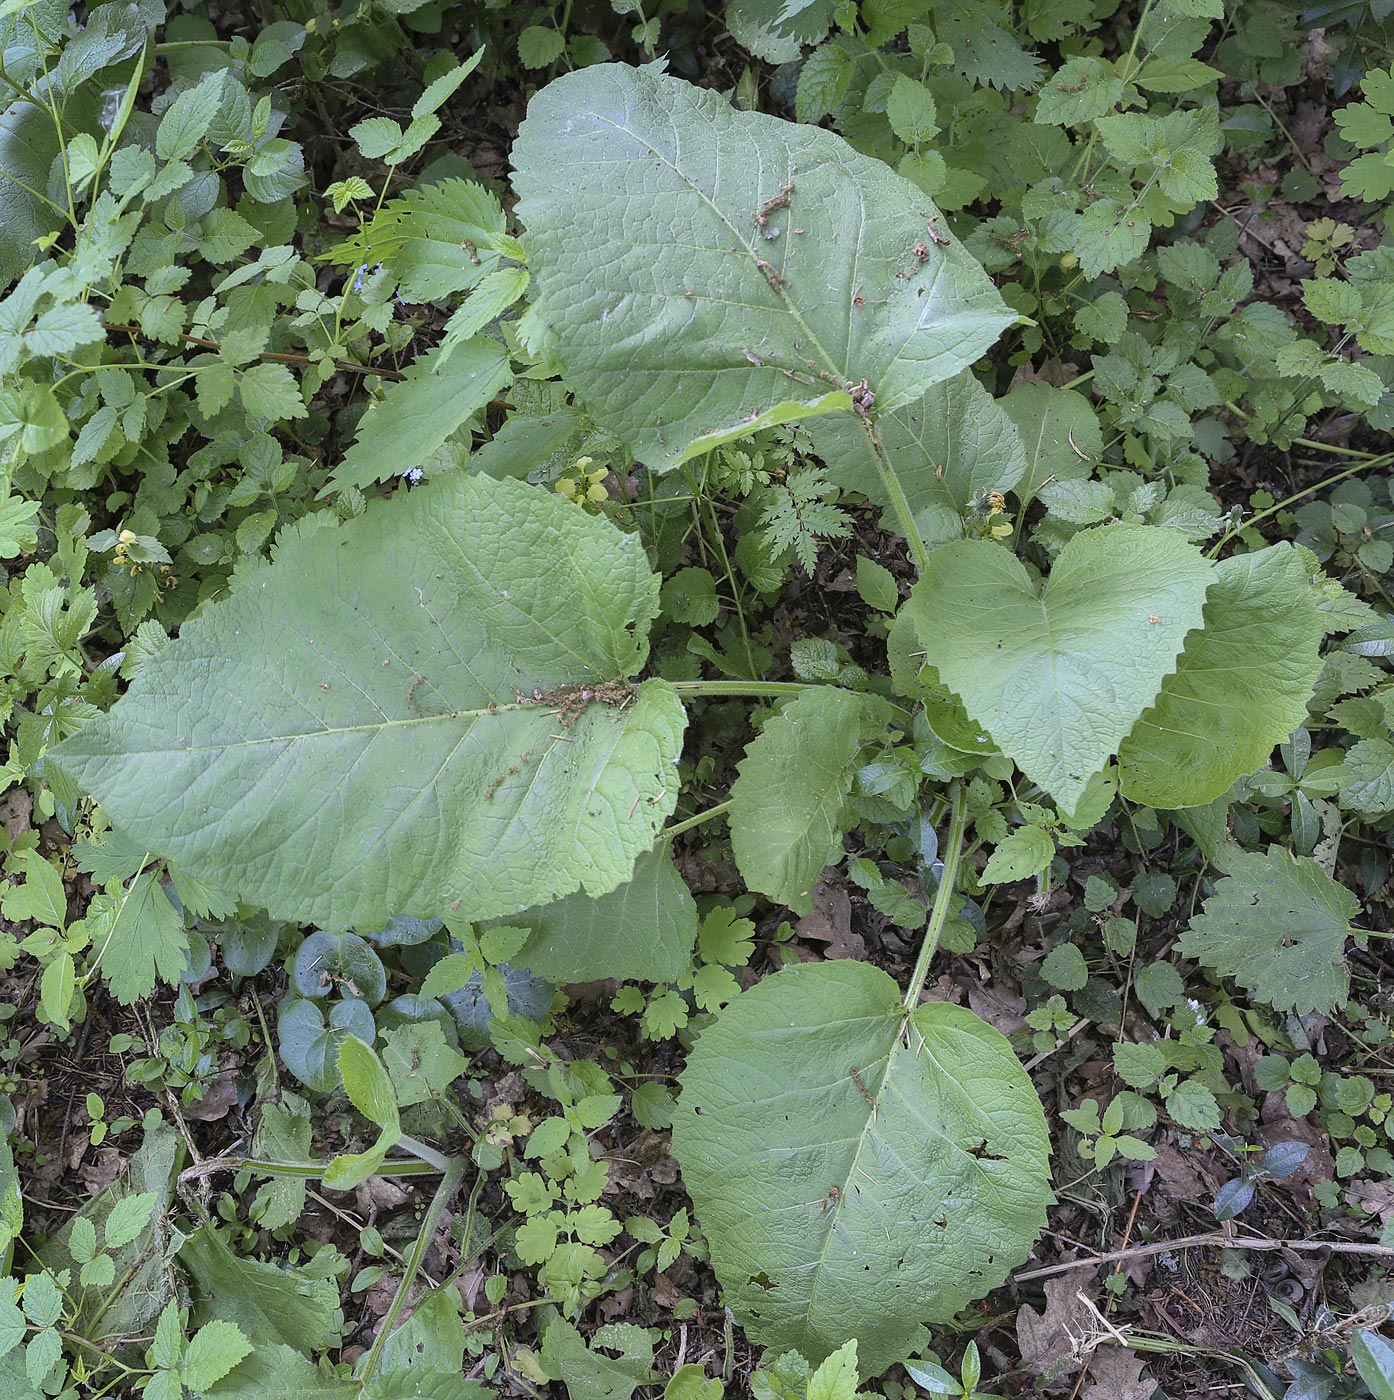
827, 615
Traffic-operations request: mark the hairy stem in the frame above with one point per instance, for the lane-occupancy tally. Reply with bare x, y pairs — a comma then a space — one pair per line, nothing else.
900, 503
939, 915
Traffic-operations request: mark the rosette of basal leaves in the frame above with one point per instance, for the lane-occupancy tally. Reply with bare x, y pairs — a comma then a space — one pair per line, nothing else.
1059, 672
421, 710
700, 271
858, 1170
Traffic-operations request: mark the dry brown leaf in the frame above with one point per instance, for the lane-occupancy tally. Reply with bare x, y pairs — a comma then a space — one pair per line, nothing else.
1116, 1374
1048, 1338
830, 922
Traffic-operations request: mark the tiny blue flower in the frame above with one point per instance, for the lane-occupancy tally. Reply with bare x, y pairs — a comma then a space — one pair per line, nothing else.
360, 277
413, 475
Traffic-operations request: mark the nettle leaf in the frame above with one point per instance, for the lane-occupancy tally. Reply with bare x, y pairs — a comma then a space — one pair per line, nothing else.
789, 801
777, 30
1278, 925
1240, 686
689, 258
416, 415
855, 1174
1059, 675
340, 740
951, 445
643, 931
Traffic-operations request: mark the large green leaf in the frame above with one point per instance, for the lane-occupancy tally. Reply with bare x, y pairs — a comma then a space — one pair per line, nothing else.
950, 447
1278, 924
856, 1174
642, 931
690, 258
790, 797
1240, 687
270, 1305
340, 741
1058, 676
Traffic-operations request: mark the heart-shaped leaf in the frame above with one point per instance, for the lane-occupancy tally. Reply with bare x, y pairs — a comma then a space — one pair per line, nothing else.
697, 266
1059, 675
858, 1173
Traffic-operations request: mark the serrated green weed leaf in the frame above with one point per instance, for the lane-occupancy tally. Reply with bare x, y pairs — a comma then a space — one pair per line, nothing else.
789, 801
1240, 687
1277, 923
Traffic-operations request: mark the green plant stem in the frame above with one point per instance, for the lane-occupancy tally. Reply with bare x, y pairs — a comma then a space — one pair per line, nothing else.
454, 1174
939, 915
900, 503
311, 1170
1361, 466
679, 827
751, 690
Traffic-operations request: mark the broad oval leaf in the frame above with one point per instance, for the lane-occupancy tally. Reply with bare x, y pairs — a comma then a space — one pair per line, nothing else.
697, 265
309, 1047
341, 740
1277, 923
856, 1174
951, 446
1240, 687
788, 803
1059, 675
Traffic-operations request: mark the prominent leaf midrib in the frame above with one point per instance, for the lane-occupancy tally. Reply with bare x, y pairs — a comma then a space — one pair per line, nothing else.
375, 728
790, 305
872, 1109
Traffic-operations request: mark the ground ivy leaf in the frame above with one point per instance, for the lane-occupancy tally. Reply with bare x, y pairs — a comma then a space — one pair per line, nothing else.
340, 739
1278, 924
837, 1208
1059, 675
789, 800
1240, 686
661, 231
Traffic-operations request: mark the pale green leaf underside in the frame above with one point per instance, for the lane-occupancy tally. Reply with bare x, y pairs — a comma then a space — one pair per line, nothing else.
1240, 686
340, 741
788, 800
1059, 676
829, 1218
951, 445
1278, 925
641, 197
643, 931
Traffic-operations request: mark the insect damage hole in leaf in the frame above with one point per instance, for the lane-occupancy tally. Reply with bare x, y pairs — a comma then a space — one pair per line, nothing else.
672, 339
924, 1125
